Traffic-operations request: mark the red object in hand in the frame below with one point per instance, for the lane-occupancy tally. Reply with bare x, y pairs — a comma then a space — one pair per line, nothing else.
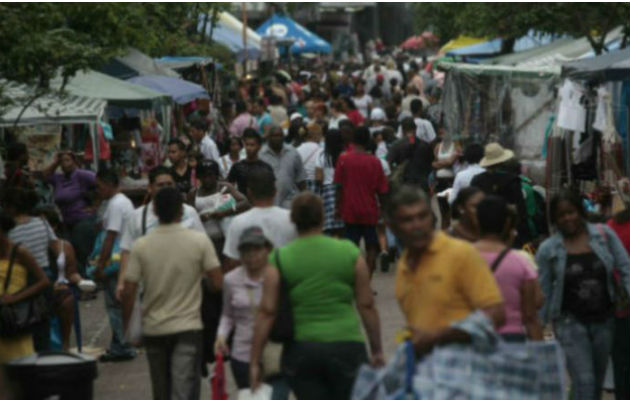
217, 382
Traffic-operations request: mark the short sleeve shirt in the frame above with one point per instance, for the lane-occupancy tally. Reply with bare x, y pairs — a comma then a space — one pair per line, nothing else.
118, 209
70, 193
289, 171
451, 281
134, 229
361, 178
170, 262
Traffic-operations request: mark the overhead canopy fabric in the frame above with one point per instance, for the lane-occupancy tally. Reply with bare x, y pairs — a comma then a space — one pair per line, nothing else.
229, 32
613, 66
181, 91
460, 41
529, 41
135, 63
305, 41
178, 63
555, 53
50, 108
95, 85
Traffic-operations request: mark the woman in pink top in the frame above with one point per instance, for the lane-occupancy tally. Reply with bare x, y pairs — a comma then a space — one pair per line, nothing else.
516, 279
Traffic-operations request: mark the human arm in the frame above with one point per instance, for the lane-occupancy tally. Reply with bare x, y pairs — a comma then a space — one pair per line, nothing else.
545, 278
319, 175
264, 321
50, 169
120, 285
242, 204
366, 307
39, 278
226, 322
72, 273
529, 307
128, 300
105, 255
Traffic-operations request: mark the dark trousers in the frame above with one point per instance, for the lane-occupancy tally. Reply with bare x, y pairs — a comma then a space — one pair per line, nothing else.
175, 365
621, 358
319, 371
240, 371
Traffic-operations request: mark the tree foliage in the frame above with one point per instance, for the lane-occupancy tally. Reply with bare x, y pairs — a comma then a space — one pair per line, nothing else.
512, 20
40, 40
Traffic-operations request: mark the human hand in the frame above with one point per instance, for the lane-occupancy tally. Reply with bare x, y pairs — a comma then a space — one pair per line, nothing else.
377, 360
423, 342
254, 376
7, 299
220, 346
119, 291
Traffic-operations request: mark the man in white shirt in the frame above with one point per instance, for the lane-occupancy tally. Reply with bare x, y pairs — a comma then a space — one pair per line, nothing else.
207, 147
473, 155
274, 221
143, 220
424, 128
118, 209
336, 114
170, 262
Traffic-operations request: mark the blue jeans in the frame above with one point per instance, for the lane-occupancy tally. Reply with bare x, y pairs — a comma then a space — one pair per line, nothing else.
586, 347
117, 346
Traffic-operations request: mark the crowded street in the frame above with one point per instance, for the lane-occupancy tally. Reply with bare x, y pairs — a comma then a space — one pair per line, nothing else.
274, 201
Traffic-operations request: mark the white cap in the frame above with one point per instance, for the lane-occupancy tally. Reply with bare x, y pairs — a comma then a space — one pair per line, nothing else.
377, 114
295, 116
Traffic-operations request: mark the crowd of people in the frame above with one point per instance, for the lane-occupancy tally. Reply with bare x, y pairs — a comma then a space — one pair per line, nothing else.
293, 196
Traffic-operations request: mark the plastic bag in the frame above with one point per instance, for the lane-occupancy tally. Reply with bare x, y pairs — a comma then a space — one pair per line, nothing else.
217, 382
134, 330
263, 393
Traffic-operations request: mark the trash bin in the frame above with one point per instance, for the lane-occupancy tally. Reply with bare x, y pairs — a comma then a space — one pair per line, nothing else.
56, 374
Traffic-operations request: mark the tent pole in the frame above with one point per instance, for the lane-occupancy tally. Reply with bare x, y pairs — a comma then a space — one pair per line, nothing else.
244, 15
95, 151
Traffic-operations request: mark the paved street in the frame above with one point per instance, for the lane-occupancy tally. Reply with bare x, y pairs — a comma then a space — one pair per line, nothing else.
130, 380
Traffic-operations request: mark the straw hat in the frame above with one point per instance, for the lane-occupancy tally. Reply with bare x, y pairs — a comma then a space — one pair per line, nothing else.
495, 154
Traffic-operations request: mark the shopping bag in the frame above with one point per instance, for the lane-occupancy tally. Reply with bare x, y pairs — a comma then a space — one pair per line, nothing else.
262, 393
134, 330
217, 381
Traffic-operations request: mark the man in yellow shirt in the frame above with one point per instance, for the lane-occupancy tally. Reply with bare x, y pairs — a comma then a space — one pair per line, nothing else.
439, 280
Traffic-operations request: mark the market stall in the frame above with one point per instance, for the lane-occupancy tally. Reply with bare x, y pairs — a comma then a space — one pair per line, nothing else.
135, 63
498, 103
589, 145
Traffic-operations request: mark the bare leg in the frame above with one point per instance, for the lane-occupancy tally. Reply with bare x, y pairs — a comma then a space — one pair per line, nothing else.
65, 313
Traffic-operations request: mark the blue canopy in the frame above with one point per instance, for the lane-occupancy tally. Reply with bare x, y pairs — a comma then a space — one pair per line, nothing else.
282, 27
180, 90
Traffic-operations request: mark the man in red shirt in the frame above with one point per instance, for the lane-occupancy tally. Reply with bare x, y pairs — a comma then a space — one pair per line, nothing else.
361, 188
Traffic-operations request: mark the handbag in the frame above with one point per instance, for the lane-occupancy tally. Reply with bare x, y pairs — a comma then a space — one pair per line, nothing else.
622, 299
282, 328
20, 318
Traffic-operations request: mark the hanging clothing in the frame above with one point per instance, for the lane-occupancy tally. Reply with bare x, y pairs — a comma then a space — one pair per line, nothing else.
571, 111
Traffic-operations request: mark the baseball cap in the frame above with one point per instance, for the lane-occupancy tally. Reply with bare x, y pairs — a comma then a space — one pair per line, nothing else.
253, 236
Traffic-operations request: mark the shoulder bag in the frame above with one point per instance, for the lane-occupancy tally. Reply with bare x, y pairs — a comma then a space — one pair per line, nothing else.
499, 259
20, 318
282, 328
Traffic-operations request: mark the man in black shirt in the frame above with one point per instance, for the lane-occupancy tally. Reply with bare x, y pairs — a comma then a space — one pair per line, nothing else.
179, 159
411, 158
241, 170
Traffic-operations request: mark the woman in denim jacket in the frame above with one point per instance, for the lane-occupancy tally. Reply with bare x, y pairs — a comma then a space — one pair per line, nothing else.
576, 275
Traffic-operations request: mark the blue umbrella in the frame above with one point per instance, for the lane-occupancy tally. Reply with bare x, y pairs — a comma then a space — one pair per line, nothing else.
180, 90
305, 41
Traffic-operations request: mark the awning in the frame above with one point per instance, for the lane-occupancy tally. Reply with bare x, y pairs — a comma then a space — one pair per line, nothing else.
305, 41
531, 40
52, 108
460, 41
116, 92
178, 63
229, 32
181, 91
135, 63
613, 66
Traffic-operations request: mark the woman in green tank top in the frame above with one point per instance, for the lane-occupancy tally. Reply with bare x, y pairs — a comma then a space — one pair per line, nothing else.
328, 283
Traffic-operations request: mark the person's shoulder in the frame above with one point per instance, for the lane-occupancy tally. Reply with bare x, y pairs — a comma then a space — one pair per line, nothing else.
188, 210
234, 275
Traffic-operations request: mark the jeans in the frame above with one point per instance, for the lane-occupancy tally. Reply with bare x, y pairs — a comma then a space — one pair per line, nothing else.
175, 365
586, 347
323, 370
240, 371
117, 346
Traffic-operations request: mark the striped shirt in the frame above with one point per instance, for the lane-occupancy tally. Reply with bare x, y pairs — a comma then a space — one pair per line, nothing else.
35, 236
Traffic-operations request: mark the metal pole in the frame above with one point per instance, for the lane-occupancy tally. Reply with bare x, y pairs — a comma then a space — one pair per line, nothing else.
244, 17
